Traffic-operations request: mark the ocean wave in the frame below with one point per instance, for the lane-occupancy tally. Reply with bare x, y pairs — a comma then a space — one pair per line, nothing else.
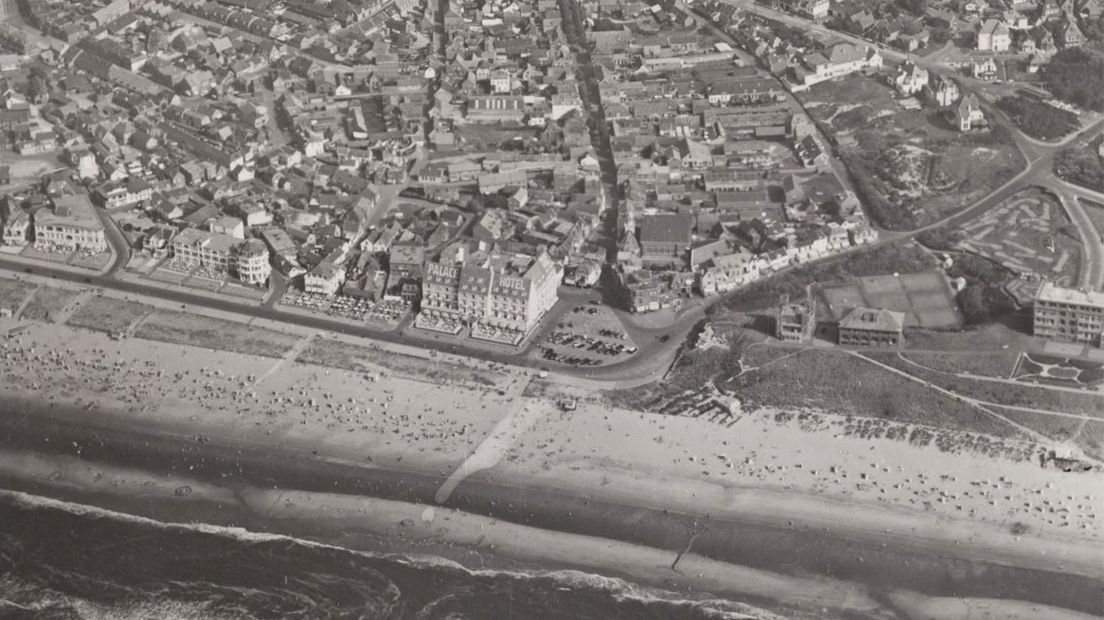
325, 580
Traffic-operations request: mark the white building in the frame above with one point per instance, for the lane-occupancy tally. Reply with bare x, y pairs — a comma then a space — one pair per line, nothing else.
839, 60
993, 36
71, 224
910, 79
246, 260
325, 279
499, 291
725, 273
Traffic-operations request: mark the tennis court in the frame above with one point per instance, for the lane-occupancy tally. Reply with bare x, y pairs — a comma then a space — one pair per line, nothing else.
925, 298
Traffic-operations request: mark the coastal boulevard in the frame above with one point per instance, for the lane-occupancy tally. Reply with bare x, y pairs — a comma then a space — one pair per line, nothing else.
876, 562
648, 365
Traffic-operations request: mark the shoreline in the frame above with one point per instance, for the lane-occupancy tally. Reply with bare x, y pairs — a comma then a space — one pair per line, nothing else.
609, 483
359, 513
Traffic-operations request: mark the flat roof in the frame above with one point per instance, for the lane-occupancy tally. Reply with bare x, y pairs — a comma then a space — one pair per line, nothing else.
1058, 294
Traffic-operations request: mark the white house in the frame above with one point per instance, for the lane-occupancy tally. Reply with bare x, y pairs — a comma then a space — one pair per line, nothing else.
993, 36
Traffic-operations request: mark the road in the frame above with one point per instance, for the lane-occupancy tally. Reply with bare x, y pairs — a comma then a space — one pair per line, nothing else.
1092, 272
655, 354
1039, 154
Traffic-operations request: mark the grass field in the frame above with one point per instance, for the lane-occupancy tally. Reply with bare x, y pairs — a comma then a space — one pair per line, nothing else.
212, 333
107, 314
983, 363
48, 302
1002, 393
989, 338
842, 383
358, 358
1061, 429
13, 292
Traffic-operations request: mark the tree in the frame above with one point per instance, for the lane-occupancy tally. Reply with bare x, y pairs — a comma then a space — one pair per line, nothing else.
916, 7
1077, 76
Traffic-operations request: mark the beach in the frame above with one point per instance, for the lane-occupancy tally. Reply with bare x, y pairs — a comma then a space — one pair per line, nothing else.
777, 513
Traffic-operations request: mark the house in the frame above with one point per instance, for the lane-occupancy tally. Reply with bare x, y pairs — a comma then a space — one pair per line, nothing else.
943, 91
816, 10
910, 79
872, 327
17, 225
1071, 35
325, 279
812, 153
993, 36
721, 274
984, 68
968, 114
839, 60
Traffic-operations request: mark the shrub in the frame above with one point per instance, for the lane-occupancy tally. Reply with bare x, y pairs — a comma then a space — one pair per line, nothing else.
1037, 119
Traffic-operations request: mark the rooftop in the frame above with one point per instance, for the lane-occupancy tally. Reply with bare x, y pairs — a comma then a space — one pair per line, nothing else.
1081, 297
873, 319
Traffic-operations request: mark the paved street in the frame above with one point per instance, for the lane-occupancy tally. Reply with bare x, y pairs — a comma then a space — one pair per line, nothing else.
1040, 155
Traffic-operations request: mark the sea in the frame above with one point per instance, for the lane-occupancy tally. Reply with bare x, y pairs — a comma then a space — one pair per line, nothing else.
61, 560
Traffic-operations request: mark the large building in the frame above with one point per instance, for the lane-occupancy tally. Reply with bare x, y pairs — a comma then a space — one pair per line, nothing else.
795, 322
872, 327
1068, 314
71, 224
665, 239
510, 293
245, 259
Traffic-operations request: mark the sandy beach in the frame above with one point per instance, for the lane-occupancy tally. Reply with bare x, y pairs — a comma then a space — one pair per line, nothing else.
758, 472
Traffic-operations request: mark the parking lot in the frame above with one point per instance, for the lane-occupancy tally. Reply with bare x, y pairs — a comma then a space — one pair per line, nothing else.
588, 335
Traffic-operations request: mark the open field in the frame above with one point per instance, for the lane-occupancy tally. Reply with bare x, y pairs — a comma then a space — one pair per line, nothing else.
900, 258
924, 298
48, 302
358, 358
107, 314
212, 333
1001, 393
13, 292
911, 167
989, 338
984, 363
1084, 435
842, 383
